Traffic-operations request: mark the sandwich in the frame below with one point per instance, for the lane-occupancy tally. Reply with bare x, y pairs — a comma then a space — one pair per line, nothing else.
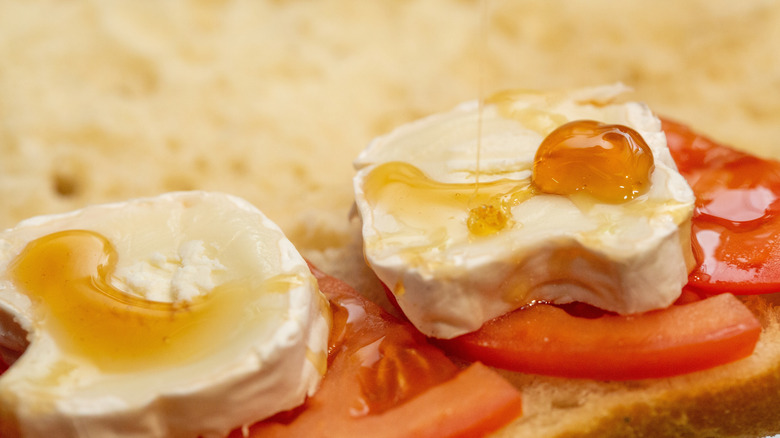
182, 115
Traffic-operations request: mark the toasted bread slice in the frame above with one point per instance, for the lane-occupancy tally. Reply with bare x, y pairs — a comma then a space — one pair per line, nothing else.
739, 399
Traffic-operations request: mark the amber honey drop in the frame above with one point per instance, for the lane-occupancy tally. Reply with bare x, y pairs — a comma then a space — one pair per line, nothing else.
489, 218
612, 163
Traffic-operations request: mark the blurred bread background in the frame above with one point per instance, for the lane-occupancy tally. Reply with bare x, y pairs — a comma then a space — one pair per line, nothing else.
272, 100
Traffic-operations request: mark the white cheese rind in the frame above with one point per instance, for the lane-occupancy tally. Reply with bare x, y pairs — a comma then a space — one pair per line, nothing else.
627, 258
269, 365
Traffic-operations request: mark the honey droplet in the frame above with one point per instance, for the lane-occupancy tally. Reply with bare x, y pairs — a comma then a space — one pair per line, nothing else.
488, 218
612, 163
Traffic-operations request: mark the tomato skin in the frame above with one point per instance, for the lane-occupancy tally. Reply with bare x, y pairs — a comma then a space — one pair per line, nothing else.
473, 404
385, 380
545, 339
484, 408
736, 222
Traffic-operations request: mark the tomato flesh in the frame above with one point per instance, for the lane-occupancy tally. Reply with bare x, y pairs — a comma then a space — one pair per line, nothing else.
546, 339
736, 225
385, 380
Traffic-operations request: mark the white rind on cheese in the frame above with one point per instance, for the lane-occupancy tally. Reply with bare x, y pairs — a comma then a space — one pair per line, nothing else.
453, 282
269, 365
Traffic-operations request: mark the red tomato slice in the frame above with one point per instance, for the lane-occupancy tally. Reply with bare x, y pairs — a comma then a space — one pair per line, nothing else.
385, 380
736, 225
545, 339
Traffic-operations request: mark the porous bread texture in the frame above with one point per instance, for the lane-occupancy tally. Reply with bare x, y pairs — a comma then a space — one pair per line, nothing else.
272, 100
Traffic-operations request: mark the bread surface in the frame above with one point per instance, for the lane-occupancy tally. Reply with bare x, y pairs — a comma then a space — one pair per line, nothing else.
271, 101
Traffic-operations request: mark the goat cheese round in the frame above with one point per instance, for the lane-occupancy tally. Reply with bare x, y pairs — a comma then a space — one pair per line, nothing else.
417, 187
188, 314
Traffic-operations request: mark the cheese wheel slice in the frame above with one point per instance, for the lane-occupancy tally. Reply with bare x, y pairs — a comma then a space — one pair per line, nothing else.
187, 314
418, 188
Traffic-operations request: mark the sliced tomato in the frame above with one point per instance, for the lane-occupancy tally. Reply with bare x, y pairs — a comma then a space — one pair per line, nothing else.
545, 339
736, 223
385, 380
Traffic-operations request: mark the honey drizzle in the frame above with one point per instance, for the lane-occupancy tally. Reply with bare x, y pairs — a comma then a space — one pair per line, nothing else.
66, 275
484, 218
419, 201
481, 51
